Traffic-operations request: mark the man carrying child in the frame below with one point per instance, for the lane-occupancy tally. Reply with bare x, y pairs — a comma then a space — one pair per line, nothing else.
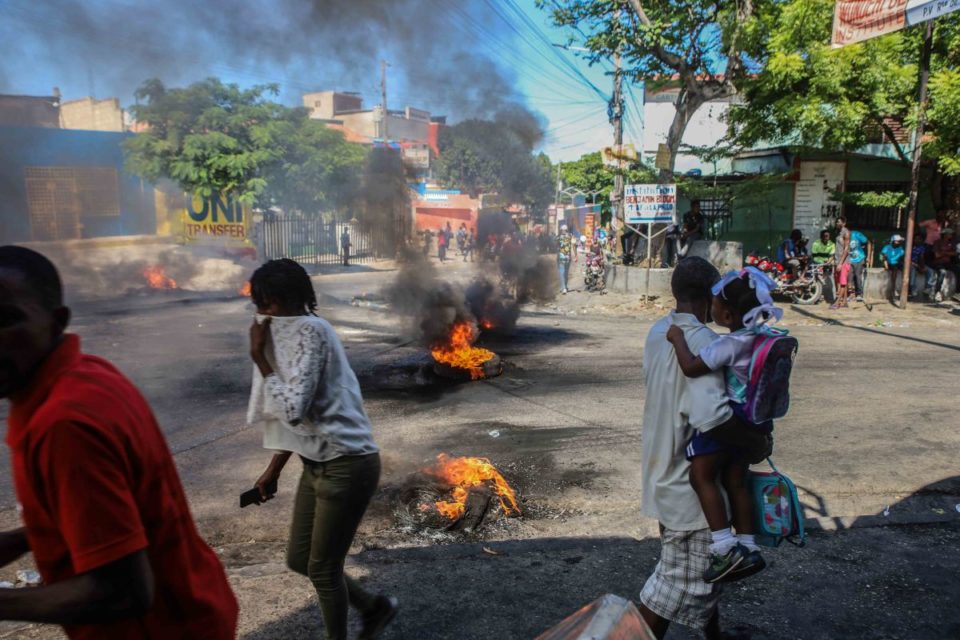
677, 591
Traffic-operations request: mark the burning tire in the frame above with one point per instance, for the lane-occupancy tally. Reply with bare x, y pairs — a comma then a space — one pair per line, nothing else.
490, 368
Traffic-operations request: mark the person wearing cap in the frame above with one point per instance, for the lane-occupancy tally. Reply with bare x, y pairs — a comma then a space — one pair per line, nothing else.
944, 261
892, 253
566, 251
892, 256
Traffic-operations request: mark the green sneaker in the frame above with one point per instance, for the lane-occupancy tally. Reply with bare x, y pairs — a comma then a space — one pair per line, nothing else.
722, 565
753, 563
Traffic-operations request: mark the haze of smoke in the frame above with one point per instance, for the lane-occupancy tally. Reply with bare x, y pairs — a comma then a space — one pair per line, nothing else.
102, 273
432, 305
181, 41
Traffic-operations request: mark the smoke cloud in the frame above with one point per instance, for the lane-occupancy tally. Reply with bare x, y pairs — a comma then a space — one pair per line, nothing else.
304, 45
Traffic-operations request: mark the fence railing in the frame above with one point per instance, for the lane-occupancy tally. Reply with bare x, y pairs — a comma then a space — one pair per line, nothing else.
317, 242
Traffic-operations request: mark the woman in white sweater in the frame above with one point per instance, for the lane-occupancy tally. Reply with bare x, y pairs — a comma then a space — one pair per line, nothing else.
307, 401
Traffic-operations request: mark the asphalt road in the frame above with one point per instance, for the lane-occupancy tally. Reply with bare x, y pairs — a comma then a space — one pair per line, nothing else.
872, 425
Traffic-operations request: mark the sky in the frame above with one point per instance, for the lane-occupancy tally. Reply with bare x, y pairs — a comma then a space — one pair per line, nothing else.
459, 58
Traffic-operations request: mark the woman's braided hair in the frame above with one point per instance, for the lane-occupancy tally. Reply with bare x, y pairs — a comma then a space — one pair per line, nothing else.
284, 282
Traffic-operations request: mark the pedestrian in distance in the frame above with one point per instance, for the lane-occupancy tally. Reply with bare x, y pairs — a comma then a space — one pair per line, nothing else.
859, 246
462, 239
823, 249
566, 253
923, 278
345, 246
842, 259
892, 256
676, 591
442, 241
306, 399
468, 246
427, 235
944, 261
103, 509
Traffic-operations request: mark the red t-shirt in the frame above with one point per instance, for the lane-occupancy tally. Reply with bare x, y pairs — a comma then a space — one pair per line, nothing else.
97, 482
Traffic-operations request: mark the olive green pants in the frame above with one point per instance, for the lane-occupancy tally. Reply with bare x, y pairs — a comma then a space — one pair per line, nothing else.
331, 500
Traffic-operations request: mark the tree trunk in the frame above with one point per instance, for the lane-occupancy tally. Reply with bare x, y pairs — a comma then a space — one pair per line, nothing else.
687, 105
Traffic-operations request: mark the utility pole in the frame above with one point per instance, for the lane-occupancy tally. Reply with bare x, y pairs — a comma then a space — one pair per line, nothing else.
616, 118
925, 51
383, 99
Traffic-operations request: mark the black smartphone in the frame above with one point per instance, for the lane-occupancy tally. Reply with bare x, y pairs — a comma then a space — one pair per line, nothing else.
253, 495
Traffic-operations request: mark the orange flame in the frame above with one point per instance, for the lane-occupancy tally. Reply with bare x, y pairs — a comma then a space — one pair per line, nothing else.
486, 324
464, 473
158, 279
245, 289
458, 352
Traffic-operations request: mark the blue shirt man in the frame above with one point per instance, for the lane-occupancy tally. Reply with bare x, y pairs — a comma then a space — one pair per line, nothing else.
893, 252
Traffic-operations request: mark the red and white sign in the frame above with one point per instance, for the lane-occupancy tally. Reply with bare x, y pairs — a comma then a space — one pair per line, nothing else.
859, 20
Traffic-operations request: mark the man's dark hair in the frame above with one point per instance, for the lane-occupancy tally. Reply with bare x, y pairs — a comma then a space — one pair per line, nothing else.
39, 273
692, 279
284, 282
842, 219
796, 235
825, 231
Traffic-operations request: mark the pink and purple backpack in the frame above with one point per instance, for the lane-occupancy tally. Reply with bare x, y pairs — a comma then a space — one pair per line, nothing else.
768, 384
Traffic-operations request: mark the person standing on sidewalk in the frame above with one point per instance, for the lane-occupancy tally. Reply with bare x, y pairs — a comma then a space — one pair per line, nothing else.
103, 509
676, 591
843, 263
345, 246
307, 401
566, 253
859, 246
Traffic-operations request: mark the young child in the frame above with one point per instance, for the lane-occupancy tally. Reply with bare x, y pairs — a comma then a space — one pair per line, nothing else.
741, 303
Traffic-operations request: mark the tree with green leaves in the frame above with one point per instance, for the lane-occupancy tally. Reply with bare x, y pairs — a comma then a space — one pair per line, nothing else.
699, 45
807, 93
590, 175
212, 137
491, 156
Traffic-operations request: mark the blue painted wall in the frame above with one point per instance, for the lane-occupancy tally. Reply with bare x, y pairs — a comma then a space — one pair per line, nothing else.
22, 147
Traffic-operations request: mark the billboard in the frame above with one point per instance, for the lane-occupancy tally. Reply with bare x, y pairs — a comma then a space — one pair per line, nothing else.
650, 203
859, 20
217, 216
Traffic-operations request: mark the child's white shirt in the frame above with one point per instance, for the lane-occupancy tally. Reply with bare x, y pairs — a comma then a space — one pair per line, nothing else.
733, 351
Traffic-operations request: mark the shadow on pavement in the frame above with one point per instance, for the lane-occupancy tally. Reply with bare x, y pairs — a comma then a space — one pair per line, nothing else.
884, 582
886, 334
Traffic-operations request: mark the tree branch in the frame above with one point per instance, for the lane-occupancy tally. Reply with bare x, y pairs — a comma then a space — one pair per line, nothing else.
893, 140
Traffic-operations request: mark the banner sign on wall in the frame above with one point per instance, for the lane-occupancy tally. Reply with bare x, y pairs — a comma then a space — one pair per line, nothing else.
219, 216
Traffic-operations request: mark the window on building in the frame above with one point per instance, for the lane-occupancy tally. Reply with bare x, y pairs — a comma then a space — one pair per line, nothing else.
58, 198
717, 215
875, 218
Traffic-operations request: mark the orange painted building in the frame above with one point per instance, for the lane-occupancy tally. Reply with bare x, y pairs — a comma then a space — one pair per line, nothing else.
434, 209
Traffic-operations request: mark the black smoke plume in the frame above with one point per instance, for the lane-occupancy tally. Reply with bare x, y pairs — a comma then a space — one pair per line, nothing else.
304, 45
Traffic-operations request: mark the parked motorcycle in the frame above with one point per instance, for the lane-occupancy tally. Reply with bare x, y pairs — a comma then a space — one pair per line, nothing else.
594, 277
806, 289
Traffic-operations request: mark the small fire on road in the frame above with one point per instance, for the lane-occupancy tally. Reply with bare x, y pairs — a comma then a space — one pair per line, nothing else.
464, 473
459, 353
245, 289
157, 278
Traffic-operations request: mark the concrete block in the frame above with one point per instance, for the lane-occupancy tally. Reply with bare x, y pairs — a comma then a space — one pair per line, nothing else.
880, 287
631, 279
725, 256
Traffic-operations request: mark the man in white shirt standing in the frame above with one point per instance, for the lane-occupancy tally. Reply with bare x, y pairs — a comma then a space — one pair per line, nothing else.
675, 407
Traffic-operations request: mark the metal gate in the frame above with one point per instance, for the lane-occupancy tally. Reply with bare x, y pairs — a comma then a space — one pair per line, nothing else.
316, 242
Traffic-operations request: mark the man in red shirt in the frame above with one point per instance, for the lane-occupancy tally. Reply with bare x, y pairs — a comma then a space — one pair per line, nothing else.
104, 512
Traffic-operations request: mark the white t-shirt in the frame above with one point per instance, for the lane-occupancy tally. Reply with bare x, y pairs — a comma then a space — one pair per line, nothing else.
734, 351
675, 406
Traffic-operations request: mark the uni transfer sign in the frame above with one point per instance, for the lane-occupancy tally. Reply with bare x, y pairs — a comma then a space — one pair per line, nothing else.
859, 20
218, 216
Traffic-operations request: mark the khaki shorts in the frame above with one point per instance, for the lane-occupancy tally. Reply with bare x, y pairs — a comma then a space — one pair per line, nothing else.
676, 590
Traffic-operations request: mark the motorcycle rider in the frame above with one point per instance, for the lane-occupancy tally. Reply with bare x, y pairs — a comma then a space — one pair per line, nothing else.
789, 253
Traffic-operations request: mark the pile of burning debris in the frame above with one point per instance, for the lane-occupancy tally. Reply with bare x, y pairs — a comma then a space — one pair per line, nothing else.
456, 494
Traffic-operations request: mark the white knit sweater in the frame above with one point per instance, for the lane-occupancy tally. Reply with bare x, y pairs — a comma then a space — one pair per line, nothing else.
311, 404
